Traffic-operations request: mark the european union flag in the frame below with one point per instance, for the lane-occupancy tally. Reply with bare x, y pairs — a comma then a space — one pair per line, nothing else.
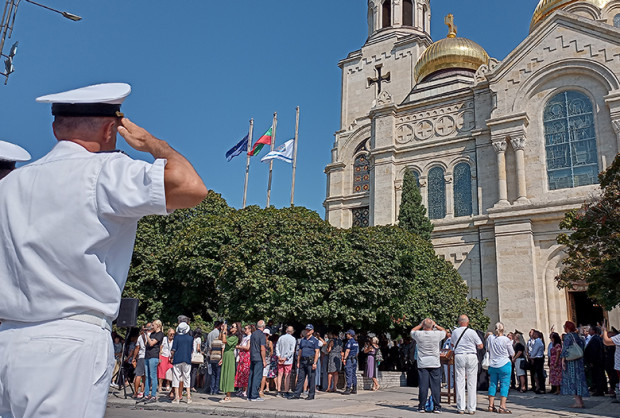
237, 149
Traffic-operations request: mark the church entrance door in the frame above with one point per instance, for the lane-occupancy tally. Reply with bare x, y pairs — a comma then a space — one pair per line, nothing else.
584, 311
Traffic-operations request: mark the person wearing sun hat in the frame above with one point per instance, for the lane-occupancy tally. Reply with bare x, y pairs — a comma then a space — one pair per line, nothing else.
9, 155
68, 234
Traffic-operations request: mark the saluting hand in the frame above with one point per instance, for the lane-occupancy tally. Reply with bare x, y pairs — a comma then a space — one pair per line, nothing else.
138, 138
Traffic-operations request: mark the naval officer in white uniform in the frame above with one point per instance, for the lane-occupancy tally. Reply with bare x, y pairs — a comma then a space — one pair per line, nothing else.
9, 155
67, 236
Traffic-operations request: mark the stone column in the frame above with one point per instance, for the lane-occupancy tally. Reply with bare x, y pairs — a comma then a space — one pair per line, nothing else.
518, 144
449, 195
502, 187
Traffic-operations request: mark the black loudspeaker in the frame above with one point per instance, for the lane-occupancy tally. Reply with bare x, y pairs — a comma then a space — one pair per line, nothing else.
128, 313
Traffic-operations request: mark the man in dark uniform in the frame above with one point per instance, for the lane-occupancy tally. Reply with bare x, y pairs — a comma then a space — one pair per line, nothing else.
349, 358
307, 358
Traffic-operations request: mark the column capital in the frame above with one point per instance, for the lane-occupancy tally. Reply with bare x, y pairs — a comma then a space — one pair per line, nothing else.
518, 142
499, 146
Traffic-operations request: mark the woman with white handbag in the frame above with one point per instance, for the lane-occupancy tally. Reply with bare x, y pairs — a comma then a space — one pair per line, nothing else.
573, 374
499, 351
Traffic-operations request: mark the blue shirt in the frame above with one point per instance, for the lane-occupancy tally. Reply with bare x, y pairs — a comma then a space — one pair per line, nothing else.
353, 348
538, 349
308, 345
182, 345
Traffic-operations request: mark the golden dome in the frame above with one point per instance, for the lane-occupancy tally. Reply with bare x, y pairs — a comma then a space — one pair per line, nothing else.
451, 52
546, 7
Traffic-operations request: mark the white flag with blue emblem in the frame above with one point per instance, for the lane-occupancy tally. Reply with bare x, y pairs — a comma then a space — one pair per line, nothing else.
284, 152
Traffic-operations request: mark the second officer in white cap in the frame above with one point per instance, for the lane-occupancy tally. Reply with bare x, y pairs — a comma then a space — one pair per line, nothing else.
68, 235
9, 155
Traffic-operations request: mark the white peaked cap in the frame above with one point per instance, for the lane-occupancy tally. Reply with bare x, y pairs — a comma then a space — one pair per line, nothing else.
110, 93
12, 152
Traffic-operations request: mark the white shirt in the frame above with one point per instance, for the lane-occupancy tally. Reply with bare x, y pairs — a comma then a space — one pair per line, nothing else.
142, 344
428, 343
165, 347
197, 342
285, 347
500, 350
468, 344
68, 225
616, 340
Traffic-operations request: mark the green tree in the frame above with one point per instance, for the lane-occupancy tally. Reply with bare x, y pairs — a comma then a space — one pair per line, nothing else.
291, 266
593, 247
412, 213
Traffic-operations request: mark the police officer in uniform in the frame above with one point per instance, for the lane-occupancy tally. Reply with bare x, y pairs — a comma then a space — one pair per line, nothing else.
9, 155
307, 358
349, 358
67, 238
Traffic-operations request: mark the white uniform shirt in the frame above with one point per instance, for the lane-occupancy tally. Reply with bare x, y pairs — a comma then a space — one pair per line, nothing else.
468, 343
68, 224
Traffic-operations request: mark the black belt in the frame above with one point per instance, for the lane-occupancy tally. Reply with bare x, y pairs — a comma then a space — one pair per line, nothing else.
311, 358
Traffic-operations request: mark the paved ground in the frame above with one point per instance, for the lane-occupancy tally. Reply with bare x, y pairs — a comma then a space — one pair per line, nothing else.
392, 402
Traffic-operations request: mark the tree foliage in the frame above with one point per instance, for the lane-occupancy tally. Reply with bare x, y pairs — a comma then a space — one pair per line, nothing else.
412, 213
593, 247
291, 266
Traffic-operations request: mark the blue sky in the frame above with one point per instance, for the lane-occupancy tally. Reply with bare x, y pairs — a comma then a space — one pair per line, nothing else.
200, 69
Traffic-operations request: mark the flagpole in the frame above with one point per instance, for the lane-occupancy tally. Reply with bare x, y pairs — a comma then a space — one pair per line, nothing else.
247, 165
295, 156
273, 143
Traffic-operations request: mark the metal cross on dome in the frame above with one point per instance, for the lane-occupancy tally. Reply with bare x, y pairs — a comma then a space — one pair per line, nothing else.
379, 79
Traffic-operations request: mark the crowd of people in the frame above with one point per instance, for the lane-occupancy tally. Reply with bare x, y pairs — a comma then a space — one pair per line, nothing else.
249, 361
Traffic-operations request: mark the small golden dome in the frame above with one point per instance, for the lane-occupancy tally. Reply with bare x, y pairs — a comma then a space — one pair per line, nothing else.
546, 7
451, 52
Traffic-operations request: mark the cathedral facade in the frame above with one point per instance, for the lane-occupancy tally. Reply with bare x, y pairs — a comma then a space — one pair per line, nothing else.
500, 150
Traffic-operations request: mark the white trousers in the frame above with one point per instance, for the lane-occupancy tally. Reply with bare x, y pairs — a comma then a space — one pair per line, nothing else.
466, 367
181, 373
55, 369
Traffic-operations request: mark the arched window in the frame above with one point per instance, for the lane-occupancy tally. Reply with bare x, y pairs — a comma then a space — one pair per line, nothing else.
617, 20
417, 177
408, 12
436, 193
462, 190
371, 21
570, 141
387, 14
361, 174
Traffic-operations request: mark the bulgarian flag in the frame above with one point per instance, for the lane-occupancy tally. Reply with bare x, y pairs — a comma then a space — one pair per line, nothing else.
262, 141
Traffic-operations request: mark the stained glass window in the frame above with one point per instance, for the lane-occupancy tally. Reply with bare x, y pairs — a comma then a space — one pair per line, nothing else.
361, 216
462, 190
361, 175
436, 193
570, 141
617, 20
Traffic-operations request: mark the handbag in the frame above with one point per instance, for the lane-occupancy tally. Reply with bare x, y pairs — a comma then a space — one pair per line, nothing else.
198, 358
574, 352
524, 364
486, 361
446, 355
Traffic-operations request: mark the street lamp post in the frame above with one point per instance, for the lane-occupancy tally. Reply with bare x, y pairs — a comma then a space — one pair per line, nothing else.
6, 30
